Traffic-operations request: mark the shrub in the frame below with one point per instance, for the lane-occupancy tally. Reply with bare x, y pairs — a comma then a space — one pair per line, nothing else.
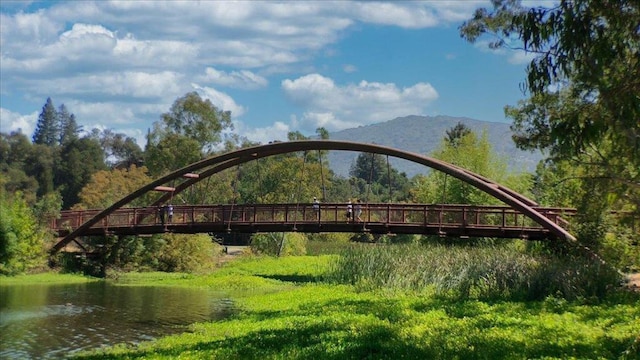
188, 253
275, 244
21, 239
327, 243
488, 272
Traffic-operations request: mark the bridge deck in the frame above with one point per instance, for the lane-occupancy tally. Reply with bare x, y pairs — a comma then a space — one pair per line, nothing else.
433, 219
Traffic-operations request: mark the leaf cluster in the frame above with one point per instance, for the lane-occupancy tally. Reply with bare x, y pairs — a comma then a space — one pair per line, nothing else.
583, 107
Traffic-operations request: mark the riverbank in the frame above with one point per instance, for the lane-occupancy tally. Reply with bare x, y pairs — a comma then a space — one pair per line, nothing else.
46, 278
286, 311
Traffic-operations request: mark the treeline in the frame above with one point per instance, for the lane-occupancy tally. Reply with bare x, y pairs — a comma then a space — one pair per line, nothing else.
64, 167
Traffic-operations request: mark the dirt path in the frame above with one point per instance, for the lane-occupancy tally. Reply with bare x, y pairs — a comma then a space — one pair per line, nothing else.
232, 253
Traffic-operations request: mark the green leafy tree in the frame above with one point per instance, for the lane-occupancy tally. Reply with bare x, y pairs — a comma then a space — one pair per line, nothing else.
120, 150
287, 178
455, 134
198, 119
558, 183
79, 160
21, 240
279, 244
322, 133
191, 130
188, 253
474, 154
171, 152
583, 85
374, 180
15, 149
47, 208
108, 186
40, 165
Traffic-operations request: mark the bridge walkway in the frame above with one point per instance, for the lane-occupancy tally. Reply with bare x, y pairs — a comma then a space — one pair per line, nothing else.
382, 218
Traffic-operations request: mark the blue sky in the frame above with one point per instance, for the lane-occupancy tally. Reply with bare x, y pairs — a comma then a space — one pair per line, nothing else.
277, 66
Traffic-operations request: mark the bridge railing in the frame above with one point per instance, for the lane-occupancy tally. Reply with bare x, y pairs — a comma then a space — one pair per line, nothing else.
410, 214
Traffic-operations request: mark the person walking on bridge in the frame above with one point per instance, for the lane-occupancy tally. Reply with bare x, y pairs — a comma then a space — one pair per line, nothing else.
170, 212
349, 211
358, 210
316, 208
161, 214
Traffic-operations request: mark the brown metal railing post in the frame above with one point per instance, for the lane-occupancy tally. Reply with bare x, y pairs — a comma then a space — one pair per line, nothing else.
464, 217
426, 215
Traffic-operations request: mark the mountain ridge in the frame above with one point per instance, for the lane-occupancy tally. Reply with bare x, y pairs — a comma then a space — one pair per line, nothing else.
423, 135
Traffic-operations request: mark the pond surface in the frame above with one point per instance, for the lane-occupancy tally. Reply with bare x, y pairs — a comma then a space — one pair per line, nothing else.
53, 321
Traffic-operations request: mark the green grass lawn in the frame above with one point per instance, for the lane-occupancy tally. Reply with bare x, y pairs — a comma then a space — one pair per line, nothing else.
46, 278
286, 311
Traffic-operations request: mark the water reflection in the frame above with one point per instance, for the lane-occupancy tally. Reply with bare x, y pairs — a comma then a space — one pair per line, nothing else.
52, 321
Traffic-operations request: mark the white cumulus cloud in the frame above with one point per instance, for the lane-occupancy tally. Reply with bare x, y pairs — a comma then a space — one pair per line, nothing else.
221, 100
276, 131
125, 62
338, 107
243, 79
11, 121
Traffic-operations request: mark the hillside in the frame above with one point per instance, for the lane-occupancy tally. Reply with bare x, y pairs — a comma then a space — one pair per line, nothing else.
423, 134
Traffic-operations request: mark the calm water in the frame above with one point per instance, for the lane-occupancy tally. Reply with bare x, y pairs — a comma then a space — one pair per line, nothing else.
52, 321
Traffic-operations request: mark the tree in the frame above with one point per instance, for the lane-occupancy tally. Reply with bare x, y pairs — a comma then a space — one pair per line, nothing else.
373, 180
79, 160
191, 130
455, 134
120, 150
476, 155
198, 119
187, 253
40, 165
47, 128
69, 129
108, 186
583, 86
322, 133
171, 152
286, 178
21, 240
15, 149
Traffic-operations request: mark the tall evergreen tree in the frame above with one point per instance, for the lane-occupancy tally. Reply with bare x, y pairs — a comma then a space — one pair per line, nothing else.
47, 129
68, 126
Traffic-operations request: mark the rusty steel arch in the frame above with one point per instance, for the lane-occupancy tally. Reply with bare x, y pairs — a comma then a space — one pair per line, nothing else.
222, 162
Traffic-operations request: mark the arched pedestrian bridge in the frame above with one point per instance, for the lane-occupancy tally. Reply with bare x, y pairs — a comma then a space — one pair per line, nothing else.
519, 217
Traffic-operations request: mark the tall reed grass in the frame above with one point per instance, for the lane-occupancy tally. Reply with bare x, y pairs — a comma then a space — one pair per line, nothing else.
490, 272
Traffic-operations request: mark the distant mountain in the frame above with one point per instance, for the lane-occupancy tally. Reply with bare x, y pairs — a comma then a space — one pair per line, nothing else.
423, 134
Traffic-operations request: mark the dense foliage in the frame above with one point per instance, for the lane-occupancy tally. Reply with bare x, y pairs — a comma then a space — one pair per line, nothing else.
22, 241
583, 106
467, 150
